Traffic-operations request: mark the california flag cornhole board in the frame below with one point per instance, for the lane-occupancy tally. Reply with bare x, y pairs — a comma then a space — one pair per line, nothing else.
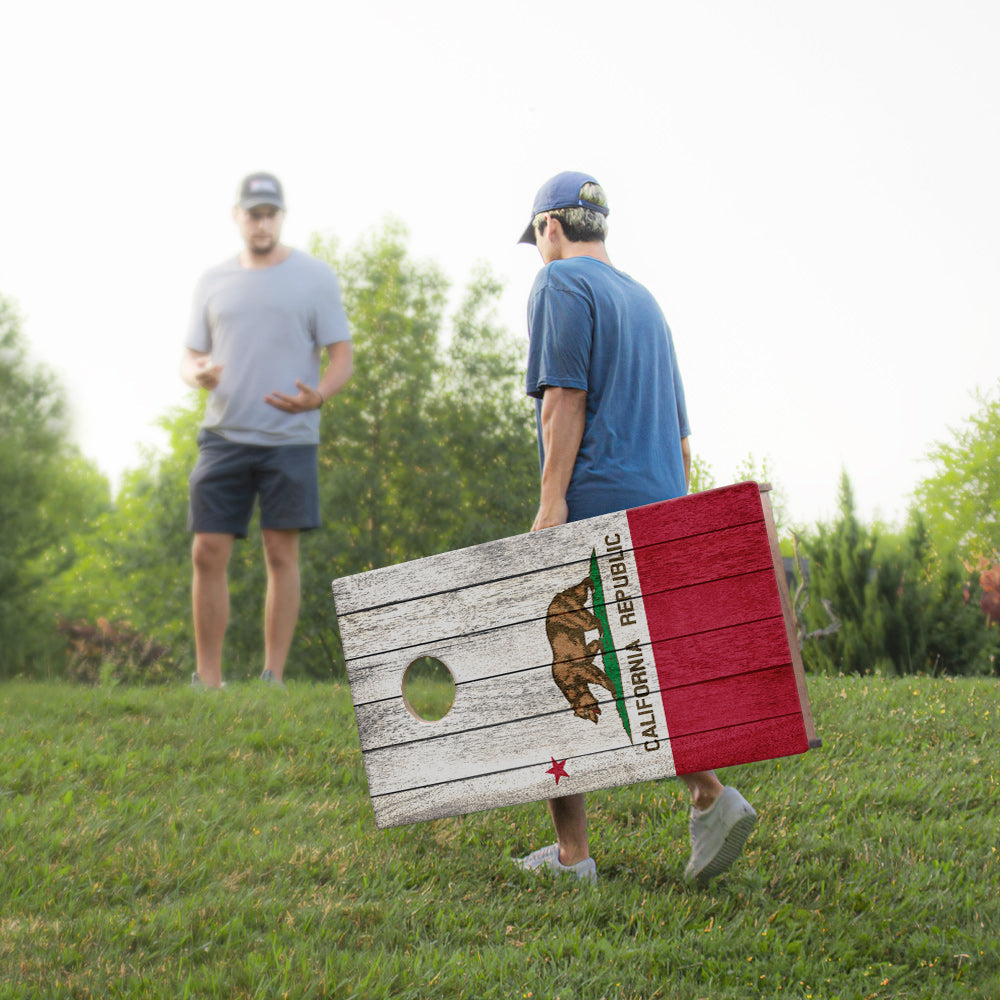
643, 644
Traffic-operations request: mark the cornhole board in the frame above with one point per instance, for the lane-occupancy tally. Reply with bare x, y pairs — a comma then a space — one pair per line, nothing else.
643, 644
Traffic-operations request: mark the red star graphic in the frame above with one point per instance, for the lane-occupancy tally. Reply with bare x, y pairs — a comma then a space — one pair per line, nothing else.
557, 770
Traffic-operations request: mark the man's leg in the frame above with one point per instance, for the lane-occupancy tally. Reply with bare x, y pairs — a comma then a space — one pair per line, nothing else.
704, 787
570, 855
569, 817
210, 602
281, 612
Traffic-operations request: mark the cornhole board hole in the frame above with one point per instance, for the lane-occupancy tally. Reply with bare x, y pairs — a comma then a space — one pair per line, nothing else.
643, 644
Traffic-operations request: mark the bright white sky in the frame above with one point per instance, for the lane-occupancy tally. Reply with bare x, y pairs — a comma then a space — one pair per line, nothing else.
812, 191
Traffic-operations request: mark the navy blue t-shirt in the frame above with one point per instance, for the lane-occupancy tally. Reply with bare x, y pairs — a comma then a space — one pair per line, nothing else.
592, 327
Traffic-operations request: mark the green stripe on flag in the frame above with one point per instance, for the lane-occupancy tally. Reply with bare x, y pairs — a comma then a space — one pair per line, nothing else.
609, 656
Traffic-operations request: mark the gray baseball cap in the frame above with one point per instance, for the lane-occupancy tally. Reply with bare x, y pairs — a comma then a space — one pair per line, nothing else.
261, 189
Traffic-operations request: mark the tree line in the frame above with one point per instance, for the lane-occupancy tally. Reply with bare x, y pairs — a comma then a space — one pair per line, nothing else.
430, 447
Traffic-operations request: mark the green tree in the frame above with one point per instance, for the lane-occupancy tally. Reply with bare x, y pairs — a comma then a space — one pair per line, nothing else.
133, 565
900, 608
49, 492
840, 565
378, 457
750, 471
428, 448
487, 424
961, 500
702, 476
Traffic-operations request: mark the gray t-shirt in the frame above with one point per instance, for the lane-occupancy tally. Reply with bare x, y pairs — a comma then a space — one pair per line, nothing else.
266, 327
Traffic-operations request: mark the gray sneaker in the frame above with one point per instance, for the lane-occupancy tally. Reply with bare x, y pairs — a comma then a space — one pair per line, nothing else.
268, 678
718, 835
548, 858
196, 682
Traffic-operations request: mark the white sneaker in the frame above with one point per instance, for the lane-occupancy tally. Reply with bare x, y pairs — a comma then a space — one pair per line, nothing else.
548, 857
718, 835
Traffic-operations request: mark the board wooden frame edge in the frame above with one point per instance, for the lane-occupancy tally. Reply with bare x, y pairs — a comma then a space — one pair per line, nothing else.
789, 616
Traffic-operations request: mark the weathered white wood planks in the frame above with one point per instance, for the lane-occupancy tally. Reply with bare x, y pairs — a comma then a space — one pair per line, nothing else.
631, 646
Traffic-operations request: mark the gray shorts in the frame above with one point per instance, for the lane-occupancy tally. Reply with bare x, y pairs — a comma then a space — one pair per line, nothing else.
229, 476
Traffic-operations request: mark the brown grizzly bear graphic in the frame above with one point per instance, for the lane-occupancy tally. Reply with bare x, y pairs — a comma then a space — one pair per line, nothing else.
573, 667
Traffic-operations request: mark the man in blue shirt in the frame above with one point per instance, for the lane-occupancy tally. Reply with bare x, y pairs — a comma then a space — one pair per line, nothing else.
612, 433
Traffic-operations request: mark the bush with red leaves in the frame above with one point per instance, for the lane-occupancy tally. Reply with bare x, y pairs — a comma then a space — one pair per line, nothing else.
989, 580
115, 651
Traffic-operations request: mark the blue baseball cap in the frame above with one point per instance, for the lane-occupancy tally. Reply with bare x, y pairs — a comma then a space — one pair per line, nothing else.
561, 191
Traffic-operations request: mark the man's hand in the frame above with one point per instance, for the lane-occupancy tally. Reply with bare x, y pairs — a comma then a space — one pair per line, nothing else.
306, 399
201, 372
549, 515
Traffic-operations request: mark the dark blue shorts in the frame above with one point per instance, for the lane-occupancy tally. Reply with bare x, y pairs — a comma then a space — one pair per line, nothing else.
228, 477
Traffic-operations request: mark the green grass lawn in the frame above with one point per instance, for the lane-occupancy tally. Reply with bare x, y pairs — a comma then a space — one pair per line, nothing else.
174, 843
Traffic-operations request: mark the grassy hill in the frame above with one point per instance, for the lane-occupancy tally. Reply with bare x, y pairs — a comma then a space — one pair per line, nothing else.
173, 843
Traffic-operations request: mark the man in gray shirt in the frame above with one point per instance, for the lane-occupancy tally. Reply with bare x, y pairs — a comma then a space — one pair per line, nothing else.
259, 324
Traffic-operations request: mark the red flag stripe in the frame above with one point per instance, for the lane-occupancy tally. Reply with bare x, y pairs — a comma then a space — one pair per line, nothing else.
717, 629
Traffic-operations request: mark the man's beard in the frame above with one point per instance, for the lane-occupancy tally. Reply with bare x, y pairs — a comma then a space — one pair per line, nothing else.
263, 249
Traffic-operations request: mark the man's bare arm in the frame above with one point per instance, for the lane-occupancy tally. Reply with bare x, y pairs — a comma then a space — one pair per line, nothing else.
340, 367
564, 417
